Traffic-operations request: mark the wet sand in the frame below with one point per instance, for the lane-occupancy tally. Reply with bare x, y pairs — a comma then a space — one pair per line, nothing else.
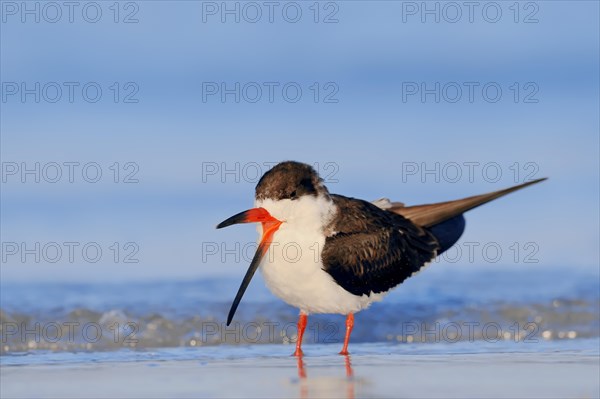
269, 371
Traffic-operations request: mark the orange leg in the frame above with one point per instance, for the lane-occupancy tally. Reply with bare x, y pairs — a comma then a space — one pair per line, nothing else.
349, 325
301, 327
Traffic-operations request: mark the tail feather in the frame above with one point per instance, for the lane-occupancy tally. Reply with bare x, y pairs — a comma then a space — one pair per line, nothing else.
430, 215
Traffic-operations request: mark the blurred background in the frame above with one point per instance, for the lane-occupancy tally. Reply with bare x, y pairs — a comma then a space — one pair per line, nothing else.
130, 129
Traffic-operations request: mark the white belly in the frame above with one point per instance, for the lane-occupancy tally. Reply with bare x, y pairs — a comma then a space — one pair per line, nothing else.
292, 270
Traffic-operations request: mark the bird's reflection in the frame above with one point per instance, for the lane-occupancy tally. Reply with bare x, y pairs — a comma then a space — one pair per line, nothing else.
338, 385
301, 368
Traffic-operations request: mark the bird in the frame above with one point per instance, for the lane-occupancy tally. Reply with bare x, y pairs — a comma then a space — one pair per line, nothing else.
352, 252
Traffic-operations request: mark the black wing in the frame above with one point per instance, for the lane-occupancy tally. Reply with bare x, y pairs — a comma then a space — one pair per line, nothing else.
373, 250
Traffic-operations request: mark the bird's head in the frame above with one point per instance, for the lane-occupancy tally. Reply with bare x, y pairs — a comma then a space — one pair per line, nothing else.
291, 192
291, 195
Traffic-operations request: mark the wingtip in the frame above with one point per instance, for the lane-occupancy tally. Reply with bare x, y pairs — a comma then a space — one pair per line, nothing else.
535, 181
428, 215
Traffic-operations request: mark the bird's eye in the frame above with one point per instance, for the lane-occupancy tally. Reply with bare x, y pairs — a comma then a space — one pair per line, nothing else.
293, 194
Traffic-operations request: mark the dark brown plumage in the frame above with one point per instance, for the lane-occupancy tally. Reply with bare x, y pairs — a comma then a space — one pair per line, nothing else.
289, 180
373, 250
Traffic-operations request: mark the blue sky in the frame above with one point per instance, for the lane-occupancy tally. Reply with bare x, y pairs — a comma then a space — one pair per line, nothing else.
545, 123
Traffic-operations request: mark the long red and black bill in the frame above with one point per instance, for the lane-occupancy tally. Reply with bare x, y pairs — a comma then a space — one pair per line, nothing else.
270, 226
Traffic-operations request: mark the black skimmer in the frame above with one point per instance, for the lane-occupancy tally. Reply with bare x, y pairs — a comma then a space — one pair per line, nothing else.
352, 252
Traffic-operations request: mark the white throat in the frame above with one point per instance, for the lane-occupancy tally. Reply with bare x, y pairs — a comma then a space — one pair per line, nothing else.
308, 214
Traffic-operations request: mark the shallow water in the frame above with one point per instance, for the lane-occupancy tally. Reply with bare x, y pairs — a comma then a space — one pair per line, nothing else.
584, 347
452, 306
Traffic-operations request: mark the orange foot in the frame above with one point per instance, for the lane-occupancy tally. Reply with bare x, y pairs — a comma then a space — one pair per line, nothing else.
298, 353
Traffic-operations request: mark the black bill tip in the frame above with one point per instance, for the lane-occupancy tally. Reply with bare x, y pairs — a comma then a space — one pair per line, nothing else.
241, 217
260, 251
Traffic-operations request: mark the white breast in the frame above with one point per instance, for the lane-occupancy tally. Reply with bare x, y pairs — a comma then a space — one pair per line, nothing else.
293, 270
